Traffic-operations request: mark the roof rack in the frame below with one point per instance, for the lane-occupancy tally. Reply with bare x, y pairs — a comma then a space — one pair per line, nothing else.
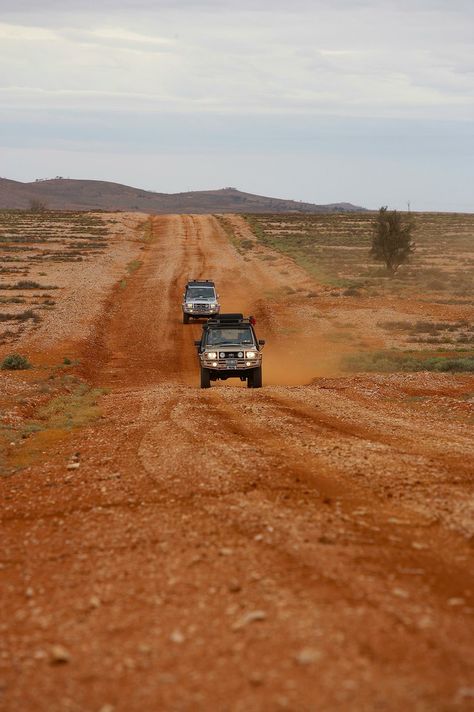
204, 282
227, 319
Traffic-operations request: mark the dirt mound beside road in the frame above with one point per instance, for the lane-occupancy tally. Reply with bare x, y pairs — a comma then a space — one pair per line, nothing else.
301, 547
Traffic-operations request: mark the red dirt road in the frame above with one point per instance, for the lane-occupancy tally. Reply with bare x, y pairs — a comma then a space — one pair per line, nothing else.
301, 547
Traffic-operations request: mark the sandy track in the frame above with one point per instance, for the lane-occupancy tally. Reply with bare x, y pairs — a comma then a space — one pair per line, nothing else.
299, 547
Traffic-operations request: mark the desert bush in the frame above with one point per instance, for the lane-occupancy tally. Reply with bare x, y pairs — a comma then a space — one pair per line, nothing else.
12, 300
26, 284
22, 316
133, 266
389, 362
392, 241
395, 325
15, 362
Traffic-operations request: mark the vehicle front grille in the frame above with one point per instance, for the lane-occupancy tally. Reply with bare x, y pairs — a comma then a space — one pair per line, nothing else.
224, 363
232, 364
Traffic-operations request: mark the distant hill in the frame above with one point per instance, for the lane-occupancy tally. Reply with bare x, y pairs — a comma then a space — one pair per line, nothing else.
67, 194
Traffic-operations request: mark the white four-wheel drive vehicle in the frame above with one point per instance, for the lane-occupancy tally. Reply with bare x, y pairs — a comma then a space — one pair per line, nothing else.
200, 299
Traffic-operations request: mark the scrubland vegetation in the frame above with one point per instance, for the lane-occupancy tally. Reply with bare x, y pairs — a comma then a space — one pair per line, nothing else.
336, 250
34, 246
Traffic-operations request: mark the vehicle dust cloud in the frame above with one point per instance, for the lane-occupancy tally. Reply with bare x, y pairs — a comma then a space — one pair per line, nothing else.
297, 363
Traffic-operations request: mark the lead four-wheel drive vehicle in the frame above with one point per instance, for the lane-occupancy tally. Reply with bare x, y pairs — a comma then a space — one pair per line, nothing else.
200, 299
229, 348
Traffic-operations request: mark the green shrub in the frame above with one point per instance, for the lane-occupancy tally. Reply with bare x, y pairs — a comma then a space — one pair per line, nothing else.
15, 362
389, 362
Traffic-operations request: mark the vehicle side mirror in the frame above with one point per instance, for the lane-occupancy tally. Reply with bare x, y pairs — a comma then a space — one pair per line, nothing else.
261, 342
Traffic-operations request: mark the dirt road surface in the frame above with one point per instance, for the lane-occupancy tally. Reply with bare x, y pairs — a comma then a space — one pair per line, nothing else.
303, 547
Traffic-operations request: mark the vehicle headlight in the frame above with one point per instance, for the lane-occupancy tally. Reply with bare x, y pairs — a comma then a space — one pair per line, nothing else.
189, 305
251, 354
211, 355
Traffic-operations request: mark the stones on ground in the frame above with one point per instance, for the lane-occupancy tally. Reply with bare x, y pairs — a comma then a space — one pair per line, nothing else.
465, 693
107, 708
226, 551
249, 617
94, 602
456, 601
74, 463
234, 586
59, 655
256, 679
400, 592
177, 637
307, 656
425, 622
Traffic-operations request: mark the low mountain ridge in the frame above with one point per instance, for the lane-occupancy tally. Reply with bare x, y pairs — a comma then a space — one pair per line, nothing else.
72, 194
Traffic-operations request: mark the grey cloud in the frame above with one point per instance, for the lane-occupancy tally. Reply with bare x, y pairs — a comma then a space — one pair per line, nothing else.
68, 6
247, 133
279, 88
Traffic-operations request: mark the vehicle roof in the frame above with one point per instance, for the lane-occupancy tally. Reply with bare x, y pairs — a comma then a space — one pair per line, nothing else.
200, 283
227, 320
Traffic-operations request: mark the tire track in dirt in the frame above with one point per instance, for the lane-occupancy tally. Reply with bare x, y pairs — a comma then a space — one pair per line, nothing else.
192, 510
142, 341
251, 433
370, 540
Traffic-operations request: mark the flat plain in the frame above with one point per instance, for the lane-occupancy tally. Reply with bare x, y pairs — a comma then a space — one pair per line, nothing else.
306, 546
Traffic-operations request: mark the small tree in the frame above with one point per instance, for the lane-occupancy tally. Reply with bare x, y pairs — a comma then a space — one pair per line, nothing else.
392, 241
37, 206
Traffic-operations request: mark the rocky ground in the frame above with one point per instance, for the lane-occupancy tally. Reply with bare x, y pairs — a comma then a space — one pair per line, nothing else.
303, 547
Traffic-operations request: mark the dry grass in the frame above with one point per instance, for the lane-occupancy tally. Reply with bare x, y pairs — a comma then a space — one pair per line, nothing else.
31, 243
439, 280
52, 404
335, 249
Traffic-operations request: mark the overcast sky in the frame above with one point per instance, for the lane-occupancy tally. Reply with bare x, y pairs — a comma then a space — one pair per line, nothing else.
367, 101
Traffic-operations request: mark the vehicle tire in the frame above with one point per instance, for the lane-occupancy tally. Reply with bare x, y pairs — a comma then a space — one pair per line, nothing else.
185, 318
250, 379
205, 378
257, 378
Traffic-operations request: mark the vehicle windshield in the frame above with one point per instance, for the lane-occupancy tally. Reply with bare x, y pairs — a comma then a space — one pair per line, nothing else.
200, 293
232, 336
